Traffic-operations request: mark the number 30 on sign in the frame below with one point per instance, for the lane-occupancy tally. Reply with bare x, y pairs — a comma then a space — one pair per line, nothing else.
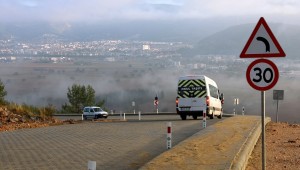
262, 74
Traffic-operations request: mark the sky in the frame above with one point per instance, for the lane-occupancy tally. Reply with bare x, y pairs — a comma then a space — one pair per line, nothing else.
285, 11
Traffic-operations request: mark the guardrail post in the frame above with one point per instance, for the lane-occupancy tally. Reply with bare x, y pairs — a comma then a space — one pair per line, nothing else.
124, 116
139, 115
243, 110
169, 135
204, 120
92, 165
81, 116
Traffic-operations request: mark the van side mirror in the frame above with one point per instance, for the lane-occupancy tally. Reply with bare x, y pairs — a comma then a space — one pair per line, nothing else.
221, 96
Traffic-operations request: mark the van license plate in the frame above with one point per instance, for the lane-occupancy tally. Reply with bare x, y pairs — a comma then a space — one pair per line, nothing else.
185, 109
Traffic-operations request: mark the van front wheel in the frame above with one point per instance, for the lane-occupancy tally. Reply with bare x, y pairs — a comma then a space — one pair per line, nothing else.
211, 116
183, 116
220, 116
195, 117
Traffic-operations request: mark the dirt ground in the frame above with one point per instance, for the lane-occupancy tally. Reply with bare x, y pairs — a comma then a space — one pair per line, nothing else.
221, 142
282, 148
12, 121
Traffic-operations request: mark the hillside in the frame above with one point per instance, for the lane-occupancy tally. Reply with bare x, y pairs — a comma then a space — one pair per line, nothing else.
205, 35
232, 40
14, 117
183, 30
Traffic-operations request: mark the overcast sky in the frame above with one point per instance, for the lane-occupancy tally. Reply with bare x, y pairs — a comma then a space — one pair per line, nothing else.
107, 10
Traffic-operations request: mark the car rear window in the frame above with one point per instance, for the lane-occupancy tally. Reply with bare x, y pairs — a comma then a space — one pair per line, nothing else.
97, 109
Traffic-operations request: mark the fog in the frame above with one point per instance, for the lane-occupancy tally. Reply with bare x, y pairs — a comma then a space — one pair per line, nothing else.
107, 10
120, 86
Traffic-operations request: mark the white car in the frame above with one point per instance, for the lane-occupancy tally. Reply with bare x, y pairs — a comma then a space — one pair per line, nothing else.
94, 112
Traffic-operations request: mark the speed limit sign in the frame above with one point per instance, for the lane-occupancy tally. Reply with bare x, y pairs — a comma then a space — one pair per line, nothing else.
262, 74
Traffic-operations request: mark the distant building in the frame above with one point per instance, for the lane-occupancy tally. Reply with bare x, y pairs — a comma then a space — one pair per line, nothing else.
177, 63
110, 59
202, 65
13, 58
195, 66
54, 59
146, 47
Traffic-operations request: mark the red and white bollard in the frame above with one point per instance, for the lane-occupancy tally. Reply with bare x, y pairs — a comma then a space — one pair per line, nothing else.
204, 120
169, 135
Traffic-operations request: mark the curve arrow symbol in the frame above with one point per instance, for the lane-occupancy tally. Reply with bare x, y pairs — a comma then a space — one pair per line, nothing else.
265, 41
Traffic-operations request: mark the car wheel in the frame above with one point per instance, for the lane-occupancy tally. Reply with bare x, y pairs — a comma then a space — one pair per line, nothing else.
84, 118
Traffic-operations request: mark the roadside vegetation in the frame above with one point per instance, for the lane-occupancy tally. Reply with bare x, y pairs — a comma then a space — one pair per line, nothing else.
3, 93
26, 112
17, 116
80, 96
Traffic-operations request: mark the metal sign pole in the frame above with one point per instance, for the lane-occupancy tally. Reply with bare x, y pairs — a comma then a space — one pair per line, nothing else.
258, 69
263, 112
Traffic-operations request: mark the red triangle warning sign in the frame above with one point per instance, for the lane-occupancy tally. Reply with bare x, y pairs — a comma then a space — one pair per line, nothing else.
262, 43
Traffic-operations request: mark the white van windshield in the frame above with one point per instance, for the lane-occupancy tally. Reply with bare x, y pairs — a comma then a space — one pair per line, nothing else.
213, 91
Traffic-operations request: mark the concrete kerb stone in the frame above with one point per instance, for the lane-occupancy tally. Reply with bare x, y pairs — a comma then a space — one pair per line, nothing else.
241, 158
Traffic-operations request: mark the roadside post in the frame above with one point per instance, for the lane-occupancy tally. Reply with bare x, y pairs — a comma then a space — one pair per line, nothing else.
82, 116
243, 110
139, 115
133, 105
236, 102
169, 135
156, 104
204, 120
262, 74
92, 165
277, 95
124, 116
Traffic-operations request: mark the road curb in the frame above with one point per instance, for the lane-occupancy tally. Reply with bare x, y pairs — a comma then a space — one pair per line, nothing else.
241, 159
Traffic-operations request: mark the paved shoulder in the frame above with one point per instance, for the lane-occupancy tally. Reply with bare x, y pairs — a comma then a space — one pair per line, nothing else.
113, 145
216, 147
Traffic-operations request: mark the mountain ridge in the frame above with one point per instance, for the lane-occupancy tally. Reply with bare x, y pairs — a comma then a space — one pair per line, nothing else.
232, 40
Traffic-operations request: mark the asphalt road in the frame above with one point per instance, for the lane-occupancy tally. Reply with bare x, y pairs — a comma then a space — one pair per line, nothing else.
113, 145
